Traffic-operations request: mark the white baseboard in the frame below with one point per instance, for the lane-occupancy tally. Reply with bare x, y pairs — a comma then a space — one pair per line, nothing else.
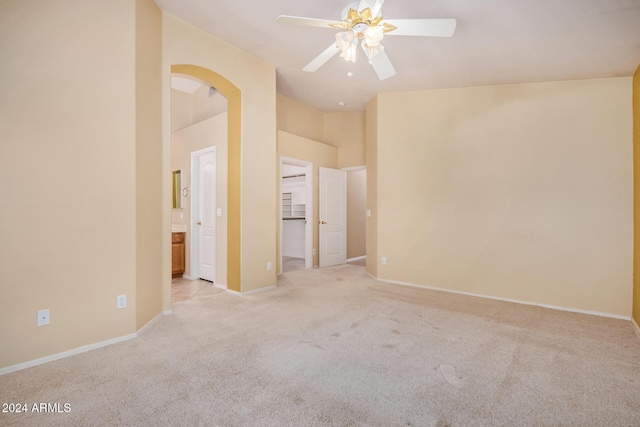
220, 286
184, 276
149, 323
78, 350
358, 258
64, 354
254, 291
554, 307
635, 326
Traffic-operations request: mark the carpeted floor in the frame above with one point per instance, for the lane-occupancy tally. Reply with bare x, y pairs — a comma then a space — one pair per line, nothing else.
334, 347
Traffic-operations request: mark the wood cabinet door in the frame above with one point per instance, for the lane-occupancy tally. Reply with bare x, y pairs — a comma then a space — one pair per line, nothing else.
177, 258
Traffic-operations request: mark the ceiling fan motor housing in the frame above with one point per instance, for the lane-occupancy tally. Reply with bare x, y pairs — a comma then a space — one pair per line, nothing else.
359, 29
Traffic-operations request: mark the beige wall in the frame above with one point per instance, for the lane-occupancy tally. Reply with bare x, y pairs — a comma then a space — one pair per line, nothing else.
513, 191
68, 160
371, 153
347, 132
299, 119
180, 110
356, 213
207, 133
322, 155
636, 189
255, 224
149, 204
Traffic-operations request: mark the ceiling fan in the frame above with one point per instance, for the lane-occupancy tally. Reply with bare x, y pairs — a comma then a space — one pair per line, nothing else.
363, 24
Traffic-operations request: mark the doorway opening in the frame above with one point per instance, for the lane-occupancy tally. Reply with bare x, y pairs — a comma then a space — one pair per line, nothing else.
296, 213
357, 214
199, 147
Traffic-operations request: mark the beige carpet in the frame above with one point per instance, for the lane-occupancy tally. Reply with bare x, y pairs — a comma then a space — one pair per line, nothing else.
334, 347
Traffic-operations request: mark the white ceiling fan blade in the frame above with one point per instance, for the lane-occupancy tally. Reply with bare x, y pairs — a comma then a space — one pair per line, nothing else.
308, 22
422, 27
375, 9
381, 64
374, 5
320, 60
365, 4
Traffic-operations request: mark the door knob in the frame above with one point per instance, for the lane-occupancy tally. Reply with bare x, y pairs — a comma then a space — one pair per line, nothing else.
322, 222
199, 222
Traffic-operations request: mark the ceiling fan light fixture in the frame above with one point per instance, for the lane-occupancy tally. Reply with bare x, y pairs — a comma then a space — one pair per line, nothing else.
347, 42
350, 53
373, 36
344, 39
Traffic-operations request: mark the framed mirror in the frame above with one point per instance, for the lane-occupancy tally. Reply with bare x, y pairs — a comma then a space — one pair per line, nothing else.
176, 180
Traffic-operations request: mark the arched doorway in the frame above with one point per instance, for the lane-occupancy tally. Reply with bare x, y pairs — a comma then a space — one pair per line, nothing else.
234, 130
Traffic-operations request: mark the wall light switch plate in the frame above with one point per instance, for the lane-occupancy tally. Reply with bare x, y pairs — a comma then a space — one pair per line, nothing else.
269, 266
368, 212
219, 212
383, 260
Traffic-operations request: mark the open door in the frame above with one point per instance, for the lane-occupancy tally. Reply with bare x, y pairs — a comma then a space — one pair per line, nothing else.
332, 232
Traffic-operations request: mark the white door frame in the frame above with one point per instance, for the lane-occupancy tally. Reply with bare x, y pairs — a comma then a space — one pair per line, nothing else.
308, 227
194, 251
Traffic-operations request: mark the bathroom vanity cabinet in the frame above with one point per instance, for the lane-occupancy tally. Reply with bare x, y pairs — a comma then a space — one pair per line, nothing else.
177, 254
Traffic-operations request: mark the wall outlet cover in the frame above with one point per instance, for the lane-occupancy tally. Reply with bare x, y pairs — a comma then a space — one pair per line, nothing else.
121, 301
43, 317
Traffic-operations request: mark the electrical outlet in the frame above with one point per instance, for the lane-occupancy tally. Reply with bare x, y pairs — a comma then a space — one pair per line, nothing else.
383, 260
43, 317
122, 301
269, 266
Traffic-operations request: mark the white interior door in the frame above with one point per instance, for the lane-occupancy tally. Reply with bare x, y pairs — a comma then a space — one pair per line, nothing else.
207, 216
333, 217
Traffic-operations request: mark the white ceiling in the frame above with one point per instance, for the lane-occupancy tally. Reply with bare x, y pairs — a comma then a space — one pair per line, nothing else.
496, 42
185, 84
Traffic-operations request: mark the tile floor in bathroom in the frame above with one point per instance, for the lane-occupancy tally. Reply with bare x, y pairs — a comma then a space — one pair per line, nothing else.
185, 289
